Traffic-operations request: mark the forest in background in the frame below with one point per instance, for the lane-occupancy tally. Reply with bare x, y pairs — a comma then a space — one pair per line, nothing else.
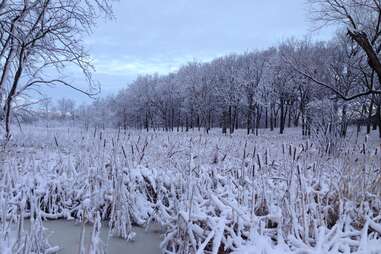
312, 85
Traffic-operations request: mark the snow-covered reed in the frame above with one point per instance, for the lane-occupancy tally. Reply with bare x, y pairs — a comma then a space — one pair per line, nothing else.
209, 193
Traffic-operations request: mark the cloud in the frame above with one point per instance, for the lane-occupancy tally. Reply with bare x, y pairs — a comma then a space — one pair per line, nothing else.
159, 36
161, 64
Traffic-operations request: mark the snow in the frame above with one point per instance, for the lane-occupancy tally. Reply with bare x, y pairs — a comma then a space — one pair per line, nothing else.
266, 194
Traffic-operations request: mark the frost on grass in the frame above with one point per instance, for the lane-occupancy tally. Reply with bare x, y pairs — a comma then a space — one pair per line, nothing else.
208, 193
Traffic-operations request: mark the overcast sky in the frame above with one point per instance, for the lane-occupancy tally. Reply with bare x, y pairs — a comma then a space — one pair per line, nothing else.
149, 36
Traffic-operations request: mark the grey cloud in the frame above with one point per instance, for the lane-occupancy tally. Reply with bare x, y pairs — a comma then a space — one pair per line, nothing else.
158, 36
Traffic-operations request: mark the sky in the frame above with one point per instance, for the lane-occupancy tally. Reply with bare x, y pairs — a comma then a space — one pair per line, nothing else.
158, 36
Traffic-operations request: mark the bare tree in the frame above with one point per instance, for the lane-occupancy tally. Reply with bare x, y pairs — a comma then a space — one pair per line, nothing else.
66, 107
39, 38
362, 20
252, 69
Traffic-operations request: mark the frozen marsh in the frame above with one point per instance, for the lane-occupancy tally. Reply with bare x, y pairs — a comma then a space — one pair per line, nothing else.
207, 193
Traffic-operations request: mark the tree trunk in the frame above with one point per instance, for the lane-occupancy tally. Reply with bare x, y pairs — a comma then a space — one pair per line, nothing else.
304, 130
289, 117
344, 121
191, 119
12, 92
369, 122
230, 119
282, 118
224, 122
186, 123
178, 121
172, 119
296, 120
378, 119
198, 122
248, 122
208, 121
146, 122
276, 112
236, 118
258, 120
271, 120
373, 60
266, 118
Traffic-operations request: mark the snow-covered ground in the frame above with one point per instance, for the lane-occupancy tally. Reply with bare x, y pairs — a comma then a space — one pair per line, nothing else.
208, 193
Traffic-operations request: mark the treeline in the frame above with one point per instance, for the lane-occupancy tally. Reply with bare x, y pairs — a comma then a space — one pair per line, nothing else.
318, 86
